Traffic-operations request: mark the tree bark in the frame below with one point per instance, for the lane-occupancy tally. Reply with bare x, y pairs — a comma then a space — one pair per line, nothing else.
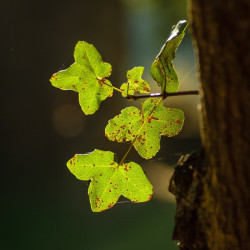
212, 189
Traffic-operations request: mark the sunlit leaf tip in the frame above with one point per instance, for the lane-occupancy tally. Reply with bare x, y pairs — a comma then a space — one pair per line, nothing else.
109, 180
162, 69
135, 83
87, 76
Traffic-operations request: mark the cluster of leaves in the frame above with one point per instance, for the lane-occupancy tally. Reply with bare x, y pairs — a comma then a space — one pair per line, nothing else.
142, 128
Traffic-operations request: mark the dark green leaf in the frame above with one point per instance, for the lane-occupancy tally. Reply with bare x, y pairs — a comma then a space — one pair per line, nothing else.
162, 69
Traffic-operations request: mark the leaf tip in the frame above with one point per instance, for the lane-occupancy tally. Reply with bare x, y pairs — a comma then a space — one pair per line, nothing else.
53, 78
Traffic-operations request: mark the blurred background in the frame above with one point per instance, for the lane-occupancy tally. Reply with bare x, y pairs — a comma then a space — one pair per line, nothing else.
43, 206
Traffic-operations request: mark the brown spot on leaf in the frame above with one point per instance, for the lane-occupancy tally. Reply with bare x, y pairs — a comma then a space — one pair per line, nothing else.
127, 168
111, 204
150, 196
154, 118
178, 121
53, 77
146, 89
136, 81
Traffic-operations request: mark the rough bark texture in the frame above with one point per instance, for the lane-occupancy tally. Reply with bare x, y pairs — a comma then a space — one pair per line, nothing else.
212, 190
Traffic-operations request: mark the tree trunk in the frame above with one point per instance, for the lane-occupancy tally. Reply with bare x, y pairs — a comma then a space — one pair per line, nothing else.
212, 189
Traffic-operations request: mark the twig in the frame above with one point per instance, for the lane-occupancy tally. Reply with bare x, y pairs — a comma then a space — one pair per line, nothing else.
163, 95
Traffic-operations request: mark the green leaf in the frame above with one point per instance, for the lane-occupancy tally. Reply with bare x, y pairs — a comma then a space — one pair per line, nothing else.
109, 180
86, 76
162, 69
156, 121
135, 84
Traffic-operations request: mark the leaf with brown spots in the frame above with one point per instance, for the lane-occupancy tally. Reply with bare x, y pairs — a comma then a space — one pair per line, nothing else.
109, 180
162, 69
146, 126
135, 83
86, 76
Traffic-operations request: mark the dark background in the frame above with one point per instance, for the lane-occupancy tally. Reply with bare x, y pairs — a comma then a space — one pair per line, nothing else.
43, 205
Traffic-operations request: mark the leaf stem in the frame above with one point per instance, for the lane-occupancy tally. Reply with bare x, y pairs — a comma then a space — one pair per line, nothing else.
163, 95
139, 131
117, 89
111, 86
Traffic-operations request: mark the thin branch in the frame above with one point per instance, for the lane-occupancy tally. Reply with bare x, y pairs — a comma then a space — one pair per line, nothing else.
163, 95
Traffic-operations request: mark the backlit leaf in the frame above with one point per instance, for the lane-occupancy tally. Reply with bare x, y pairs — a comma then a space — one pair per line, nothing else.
162, 69
86, 76
158, 121
109, 180
135, 84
